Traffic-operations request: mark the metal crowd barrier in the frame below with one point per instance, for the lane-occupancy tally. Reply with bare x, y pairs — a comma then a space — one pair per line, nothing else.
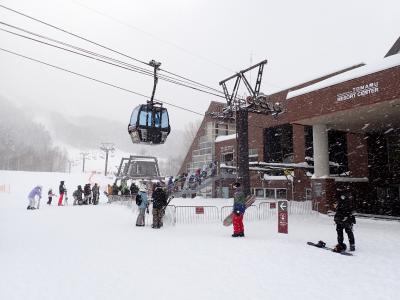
213, 214
196, 214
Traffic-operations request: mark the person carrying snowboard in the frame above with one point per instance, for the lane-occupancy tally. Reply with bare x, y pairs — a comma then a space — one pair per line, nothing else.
50, 195
37, 191
61, 189
159, 202
142, 202
239, 208
344, 220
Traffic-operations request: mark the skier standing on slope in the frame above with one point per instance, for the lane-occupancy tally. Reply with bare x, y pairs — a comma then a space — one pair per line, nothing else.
96, 193
159, 202
37, 191
50, 195
344, 220
142, 202
61, 189
239, 207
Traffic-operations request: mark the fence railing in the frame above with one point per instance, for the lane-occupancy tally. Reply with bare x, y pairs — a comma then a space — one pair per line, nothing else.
197, 214
176, 214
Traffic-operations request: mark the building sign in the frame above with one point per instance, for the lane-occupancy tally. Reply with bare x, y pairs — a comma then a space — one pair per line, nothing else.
283, 217
359, 91
199, 210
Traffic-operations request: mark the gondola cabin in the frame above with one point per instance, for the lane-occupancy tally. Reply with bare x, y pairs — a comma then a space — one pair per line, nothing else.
149, 124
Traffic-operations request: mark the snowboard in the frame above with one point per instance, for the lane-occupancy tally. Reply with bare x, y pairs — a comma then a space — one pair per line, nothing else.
249, 201
329, 249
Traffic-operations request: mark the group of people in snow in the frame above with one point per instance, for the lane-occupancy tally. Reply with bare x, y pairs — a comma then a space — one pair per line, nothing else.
159, 204
344, 217
87, 195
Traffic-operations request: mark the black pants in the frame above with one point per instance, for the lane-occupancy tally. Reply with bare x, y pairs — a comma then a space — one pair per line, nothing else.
50, 199
349, 231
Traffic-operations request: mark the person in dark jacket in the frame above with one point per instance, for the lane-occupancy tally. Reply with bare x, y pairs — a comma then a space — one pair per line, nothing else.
77, 195
344, 220
159, 204
115, 189
50, 195
133, 188
95, 194
61, 189
87, 192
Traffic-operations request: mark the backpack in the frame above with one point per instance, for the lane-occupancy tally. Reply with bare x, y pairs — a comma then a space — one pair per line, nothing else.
138, 199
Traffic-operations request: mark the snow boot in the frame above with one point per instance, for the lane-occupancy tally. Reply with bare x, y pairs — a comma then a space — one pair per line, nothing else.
236, 235
340, 248
352, 247
320, 244
241, 234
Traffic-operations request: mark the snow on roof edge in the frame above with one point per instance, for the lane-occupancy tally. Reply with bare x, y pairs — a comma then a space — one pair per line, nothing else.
222, 138
380, 65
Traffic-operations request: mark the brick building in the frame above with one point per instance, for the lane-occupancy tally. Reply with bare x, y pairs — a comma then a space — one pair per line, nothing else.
342, 129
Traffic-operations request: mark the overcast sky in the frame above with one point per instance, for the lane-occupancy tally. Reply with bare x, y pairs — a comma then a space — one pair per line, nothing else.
204, 40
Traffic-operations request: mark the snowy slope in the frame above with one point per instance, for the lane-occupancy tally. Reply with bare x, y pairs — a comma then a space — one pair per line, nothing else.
96, 252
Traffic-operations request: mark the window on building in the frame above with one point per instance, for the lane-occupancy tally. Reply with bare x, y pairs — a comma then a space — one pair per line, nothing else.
281, 194
308, 194
270, 193
278, 144
253, 155
259, 193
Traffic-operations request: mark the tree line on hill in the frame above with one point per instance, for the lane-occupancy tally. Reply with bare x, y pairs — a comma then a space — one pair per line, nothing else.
26, 145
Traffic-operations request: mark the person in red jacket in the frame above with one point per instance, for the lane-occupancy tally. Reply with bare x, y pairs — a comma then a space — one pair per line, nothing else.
62, 192
239, 207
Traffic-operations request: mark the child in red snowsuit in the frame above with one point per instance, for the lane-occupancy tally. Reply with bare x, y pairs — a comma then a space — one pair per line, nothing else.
239, 207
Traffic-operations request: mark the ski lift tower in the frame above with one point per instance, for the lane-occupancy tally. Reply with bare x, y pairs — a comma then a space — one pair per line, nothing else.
107, 148
239, 109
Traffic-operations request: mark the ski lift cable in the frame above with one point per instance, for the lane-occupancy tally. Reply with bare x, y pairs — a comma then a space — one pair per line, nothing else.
138, 69
97, 80
110, 63
153, 36
78, 36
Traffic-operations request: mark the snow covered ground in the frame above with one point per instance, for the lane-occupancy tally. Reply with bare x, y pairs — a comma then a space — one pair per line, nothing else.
96, 252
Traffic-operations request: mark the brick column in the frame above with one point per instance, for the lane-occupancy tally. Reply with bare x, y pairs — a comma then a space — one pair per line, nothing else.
300, 179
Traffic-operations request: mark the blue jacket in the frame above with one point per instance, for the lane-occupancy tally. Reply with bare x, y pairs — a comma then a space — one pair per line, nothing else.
145, 201
37, 191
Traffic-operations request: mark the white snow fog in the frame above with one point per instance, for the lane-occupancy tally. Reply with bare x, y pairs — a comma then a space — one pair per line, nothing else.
199, 149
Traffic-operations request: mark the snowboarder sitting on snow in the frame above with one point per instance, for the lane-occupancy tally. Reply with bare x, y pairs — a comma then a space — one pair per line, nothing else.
61, 189
50, 195
239, 207
142, 202
77, 194
37, 191
344, 220
159, 202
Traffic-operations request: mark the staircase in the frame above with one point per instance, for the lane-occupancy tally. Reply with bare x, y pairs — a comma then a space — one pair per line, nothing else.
204, 183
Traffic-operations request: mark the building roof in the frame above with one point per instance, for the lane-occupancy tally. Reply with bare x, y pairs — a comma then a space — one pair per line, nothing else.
380, 65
